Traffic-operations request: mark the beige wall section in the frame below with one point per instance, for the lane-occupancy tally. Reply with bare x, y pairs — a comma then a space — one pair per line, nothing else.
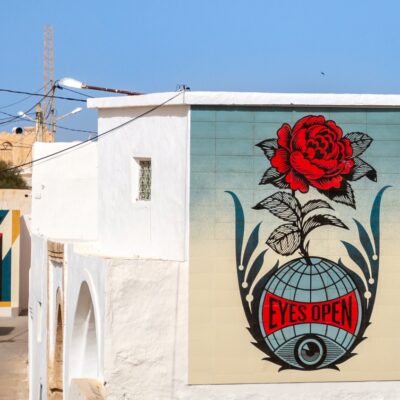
17, 148
16, 199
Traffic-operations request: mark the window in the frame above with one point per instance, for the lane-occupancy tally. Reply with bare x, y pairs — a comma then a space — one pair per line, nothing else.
142, 179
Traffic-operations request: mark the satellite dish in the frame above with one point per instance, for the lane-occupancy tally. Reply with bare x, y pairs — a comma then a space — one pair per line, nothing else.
18, 130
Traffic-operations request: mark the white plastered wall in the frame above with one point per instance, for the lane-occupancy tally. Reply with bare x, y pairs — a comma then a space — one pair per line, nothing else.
146, 344
78, 268
148, 229
92, 270
64, 191
38, 319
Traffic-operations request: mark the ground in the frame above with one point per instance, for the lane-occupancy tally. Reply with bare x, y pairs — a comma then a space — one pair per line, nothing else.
14, 358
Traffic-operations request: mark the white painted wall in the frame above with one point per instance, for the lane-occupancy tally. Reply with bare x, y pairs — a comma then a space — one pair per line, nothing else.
92, 270
38, 319
146, 345
64, 192
127, 227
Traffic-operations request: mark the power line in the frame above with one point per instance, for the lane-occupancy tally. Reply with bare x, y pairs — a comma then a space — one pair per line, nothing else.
20, 101
14, 117
40, 95
78, 145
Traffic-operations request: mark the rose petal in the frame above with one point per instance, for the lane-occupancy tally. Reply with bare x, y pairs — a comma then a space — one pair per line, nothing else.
347, 167
327, 165
305, 167
280, 160
284, 136
327, 183
348, 150
335, 128
296, 182
307, 121
299, 140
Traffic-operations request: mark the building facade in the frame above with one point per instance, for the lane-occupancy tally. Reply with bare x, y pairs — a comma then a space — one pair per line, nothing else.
162, 271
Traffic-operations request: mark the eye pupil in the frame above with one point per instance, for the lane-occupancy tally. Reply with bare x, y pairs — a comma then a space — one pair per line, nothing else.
310, 351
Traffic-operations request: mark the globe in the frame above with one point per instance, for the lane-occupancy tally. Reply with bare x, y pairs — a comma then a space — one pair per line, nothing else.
310, 313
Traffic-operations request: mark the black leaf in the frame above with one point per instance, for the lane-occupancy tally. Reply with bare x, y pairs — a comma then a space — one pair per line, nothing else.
361, 169
315, 205
344, 194
359, 142
280, 183
285, 239
271, 174
282, 205
268, 146
320, 220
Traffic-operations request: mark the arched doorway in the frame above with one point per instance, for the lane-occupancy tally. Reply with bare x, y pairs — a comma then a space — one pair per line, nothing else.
56, 379
83, 349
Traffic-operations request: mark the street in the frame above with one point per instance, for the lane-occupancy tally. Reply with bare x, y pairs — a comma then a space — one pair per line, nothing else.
14, 358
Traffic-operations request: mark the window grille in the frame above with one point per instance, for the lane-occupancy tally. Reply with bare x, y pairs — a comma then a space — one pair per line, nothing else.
144, 180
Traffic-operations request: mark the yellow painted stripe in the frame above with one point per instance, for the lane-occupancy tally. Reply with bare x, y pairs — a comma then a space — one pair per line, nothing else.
5, 303
15, 225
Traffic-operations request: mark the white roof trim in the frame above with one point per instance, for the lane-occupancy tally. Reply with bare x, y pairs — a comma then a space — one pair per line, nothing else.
249, 99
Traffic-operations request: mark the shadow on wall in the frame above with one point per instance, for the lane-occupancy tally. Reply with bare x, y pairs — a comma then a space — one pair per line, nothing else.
83, 351
24, 264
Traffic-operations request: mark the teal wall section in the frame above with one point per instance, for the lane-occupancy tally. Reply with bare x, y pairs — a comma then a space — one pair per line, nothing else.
224, 157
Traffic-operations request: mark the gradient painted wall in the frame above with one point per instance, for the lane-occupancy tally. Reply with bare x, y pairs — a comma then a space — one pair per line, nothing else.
223, 157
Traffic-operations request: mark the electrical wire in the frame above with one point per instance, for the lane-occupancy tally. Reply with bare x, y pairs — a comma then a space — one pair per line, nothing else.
14, 118
78, 145
40, 95
56, 126
21, 101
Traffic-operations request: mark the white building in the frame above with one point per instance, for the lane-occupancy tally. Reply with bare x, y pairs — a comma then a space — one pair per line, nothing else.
109, 280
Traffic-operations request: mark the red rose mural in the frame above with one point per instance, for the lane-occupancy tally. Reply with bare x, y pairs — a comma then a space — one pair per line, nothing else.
287, 306
315, 153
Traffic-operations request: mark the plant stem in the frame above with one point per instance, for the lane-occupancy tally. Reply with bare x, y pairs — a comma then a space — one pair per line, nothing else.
302, 249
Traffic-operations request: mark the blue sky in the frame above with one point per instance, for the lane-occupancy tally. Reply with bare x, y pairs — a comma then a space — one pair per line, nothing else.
233, 45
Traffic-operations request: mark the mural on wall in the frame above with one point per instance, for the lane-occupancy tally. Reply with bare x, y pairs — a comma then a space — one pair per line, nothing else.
9, 248
311, 312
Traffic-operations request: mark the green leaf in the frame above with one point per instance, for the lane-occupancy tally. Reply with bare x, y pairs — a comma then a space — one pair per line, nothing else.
315, 205
359, 142
321, 220
281, 204
285, 239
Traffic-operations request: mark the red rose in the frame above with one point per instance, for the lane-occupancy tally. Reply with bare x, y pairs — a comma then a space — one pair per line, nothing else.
313, 153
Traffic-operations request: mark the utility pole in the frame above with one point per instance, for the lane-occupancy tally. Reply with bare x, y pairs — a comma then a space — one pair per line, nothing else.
49, 115
39, 123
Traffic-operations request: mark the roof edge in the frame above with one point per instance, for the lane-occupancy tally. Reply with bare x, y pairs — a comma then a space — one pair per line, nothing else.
350, 100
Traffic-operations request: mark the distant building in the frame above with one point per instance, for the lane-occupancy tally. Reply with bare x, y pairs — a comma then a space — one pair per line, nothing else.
139, 241
16, 147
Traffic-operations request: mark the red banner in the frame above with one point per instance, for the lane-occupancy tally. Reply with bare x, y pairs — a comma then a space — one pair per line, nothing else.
279, 313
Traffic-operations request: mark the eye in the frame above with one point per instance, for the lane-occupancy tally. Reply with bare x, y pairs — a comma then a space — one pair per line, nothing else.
310, 351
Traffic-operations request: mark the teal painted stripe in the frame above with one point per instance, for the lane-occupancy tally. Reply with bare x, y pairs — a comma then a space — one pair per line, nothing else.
6, 277
3, 214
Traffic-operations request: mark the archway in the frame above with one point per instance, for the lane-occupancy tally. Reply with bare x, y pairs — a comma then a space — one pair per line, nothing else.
83, 350
56, 379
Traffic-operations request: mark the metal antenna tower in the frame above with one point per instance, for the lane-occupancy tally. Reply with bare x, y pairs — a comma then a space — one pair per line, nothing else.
48, 104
